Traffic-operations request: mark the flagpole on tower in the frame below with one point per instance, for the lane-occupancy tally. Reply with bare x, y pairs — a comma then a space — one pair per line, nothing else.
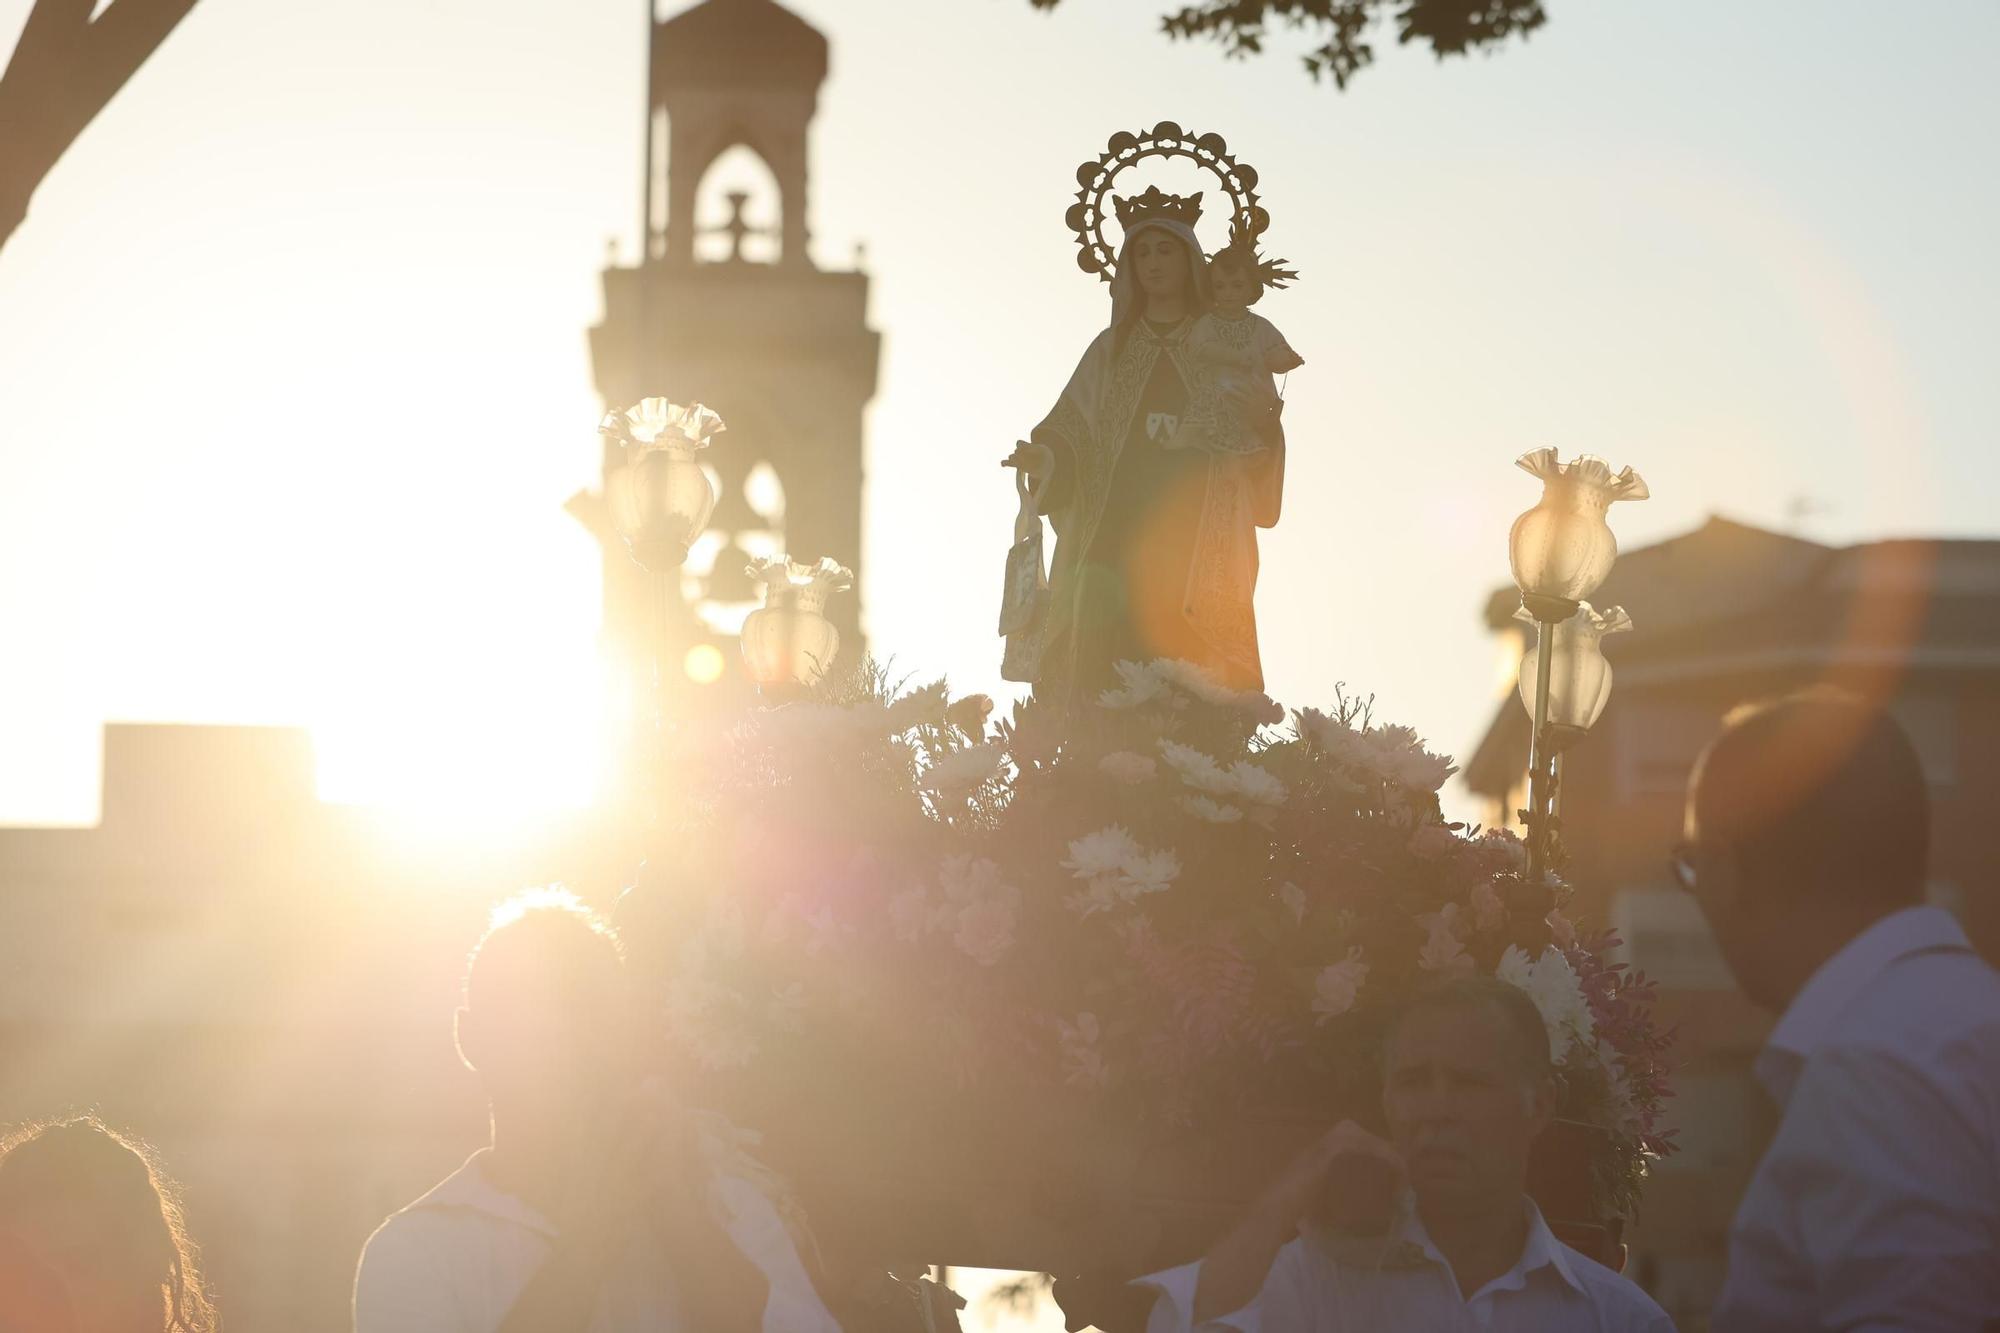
646, 175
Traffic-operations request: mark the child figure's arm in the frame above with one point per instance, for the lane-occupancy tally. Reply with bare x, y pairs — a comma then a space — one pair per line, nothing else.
1272, 349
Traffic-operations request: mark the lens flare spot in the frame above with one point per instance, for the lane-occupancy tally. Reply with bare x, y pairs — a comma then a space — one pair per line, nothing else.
704, 664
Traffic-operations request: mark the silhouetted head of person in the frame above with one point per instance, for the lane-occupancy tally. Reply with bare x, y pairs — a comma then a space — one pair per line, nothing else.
547, 1014
1467, 1086
1807, 819
1234, 279
91, 1227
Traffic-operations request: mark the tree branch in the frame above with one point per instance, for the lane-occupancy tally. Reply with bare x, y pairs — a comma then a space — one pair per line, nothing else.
65, 69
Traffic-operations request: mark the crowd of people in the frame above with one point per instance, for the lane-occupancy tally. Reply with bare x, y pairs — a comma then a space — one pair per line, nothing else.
603, 1202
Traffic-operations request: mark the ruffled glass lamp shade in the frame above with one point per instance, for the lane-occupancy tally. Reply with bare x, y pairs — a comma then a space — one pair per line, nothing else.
1562, 548
788, 641
1579, 677
661, 499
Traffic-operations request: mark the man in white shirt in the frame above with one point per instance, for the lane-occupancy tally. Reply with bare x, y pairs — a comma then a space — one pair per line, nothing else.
1453, 1241
595, 1209
1877, 1206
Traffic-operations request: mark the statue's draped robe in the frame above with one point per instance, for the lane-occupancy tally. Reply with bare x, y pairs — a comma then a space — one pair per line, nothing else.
1156, 548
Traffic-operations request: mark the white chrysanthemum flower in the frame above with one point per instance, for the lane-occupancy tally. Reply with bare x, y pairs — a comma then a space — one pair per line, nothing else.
964, 876
826, 932
1196, 769
963, 771
1515, 968
1101, 895
1420, 770
1141, 685
1442, 952
1102, 854
925, 705
1154, 872
1127, 767
1445, 920
1552, 984
986, 928
1196, 682
1335, 739
1559, 995
1255, 785
1398, 754
1337, 985
1201, 807
1506, 846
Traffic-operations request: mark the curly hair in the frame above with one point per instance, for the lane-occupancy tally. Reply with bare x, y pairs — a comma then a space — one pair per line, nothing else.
133, 1204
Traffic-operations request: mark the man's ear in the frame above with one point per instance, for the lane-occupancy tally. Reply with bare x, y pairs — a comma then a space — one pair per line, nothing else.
465, 1032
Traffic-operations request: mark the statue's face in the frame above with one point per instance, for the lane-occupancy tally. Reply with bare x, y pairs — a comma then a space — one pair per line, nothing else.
1159, 261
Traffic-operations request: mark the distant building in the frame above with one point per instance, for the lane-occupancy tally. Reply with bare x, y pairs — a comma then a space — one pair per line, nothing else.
1721, 615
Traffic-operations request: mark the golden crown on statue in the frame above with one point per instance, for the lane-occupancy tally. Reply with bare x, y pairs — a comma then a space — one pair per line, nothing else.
1155, 205
1087, 215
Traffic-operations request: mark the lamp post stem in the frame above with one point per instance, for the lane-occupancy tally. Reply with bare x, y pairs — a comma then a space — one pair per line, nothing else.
659, 586
1538, 759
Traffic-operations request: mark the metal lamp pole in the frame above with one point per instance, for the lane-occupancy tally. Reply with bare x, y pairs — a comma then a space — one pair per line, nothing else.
1560, 551
1548, 613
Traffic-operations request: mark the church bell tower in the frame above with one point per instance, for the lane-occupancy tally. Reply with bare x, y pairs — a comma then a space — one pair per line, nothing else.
726, 307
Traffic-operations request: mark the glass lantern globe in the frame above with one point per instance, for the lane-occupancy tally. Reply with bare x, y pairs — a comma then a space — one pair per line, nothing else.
1579, 676
1562, 549
788, 642
661, 499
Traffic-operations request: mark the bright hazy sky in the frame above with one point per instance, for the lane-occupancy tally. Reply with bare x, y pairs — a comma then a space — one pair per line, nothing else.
293, 380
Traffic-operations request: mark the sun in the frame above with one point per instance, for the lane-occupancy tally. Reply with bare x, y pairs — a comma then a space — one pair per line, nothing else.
492, 709
473, 763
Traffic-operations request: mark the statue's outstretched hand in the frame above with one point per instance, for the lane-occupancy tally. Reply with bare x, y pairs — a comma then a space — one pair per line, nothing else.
1037, 460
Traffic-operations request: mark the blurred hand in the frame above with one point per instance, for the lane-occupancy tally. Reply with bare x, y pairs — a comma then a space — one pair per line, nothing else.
1347, 1179
1320, 1179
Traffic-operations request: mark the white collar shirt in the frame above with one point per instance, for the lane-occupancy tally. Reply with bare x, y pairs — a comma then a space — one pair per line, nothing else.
1318, 1284
457, 1259
1877, 1205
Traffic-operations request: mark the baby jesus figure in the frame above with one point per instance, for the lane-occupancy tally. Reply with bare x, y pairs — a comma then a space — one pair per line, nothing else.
1238, 354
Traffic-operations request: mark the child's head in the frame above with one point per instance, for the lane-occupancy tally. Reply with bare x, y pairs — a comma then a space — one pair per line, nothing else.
92, 1212
1234, 279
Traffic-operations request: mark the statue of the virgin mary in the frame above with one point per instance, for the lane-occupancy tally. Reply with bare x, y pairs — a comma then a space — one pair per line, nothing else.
1155, 507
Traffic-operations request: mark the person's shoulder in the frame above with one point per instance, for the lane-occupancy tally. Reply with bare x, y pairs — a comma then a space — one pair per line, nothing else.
411, 1238
1623, 1301
1954, 984
440, 1221
1926, 1010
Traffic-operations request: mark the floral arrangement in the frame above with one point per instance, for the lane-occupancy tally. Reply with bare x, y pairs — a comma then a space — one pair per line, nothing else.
1173, 907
